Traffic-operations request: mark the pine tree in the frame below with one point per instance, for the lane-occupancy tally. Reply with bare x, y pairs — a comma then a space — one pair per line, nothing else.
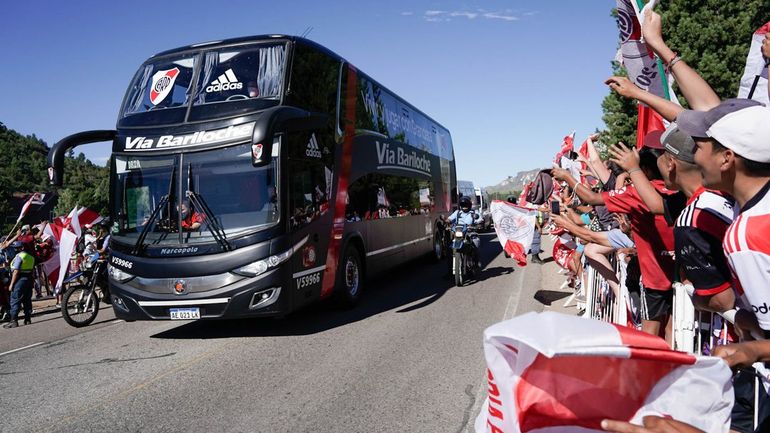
712, 36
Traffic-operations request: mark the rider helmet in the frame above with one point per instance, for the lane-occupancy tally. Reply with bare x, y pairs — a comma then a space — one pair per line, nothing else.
465, 203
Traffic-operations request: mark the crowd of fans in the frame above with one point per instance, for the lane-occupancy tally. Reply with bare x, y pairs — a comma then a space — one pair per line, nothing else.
22, 270
690, 205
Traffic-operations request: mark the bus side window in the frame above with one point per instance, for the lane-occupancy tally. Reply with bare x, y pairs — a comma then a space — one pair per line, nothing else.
308, 199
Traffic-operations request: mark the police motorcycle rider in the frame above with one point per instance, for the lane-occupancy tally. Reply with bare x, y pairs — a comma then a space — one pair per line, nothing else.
467, 216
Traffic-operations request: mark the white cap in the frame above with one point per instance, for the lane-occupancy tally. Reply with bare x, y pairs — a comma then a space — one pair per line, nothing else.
745, 132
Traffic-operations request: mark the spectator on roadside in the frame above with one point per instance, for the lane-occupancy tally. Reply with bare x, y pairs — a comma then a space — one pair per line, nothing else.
653, 238
699, 227
733, 156
22, 269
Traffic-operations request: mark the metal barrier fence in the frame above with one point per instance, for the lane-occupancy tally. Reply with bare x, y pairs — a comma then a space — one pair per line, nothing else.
693, 331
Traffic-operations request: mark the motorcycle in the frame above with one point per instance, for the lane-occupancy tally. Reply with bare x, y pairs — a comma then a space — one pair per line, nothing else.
85, 288
464, 256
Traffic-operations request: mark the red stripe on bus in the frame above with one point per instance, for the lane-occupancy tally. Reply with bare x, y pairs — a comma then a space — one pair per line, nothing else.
338, 224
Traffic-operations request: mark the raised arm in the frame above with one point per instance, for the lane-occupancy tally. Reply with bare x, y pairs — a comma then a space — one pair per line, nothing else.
628, 159
581, 190
667, 109
595, 160
695, 89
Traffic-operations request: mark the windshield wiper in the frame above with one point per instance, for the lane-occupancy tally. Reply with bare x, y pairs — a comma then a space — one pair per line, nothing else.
211, 222
166, 199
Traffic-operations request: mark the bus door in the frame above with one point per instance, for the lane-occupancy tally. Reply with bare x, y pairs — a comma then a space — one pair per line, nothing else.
310, 206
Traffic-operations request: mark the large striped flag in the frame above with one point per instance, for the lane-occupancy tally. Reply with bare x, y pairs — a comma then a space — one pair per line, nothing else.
80, 217
64, 243
554, 373
567, 146
643, 68
755, 73
35, 199
515, 228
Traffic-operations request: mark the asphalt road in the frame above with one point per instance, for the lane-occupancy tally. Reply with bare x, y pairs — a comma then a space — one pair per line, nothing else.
407, 359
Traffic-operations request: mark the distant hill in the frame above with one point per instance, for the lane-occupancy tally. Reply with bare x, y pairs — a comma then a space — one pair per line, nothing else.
513, 183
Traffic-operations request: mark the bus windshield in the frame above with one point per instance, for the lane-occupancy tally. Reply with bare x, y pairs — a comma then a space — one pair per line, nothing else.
224, 82
223, 184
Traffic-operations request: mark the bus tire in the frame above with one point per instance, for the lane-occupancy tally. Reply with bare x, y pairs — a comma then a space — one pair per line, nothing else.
349, 278
438, 247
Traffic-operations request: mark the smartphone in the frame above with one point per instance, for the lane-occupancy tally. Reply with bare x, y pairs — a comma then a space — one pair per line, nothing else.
555, 207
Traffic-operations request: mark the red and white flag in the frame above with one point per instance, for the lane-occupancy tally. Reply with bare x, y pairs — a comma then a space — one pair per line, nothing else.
64, 242
80, 217
567, 146
554, 373
755, 69
35, 199
648, 121
563, 249
515, 228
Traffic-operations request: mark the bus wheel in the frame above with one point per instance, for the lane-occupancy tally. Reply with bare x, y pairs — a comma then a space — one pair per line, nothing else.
438, 246
349, 278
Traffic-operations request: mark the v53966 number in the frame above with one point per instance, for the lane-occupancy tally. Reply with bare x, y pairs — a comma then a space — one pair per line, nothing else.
308, 280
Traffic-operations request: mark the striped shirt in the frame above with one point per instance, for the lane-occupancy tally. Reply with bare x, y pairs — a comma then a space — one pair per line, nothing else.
747, 247
698, 234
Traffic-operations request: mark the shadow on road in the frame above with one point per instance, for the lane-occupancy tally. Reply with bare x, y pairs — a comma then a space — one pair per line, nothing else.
547, 297
419, 281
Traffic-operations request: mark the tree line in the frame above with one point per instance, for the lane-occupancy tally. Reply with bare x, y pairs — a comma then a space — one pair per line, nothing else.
23, 169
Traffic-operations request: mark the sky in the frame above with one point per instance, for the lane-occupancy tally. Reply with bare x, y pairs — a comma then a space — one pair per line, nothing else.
508, 78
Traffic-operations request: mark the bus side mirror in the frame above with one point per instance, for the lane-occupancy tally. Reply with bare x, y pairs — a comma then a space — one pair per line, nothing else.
59, 150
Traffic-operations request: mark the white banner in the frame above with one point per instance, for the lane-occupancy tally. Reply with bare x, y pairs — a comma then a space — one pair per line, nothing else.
550, 372
515, 227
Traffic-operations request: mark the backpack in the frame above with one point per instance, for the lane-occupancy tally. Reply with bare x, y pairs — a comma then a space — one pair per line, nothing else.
542, 188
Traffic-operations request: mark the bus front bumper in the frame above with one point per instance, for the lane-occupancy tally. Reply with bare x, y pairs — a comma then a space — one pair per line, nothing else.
261, 296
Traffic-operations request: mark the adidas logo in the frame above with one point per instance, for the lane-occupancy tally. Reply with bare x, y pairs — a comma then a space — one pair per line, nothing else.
226, 81
313, 150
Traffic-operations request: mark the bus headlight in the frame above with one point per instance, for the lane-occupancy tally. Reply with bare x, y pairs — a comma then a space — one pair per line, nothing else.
253, 269
118, 275
261, 266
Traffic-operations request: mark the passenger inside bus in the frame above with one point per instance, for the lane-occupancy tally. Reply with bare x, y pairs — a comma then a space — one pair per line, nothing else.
191, 220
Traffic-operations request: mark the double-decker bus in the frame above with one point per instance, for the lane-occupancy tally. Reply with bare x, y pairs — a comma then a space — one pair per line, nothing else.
252, 176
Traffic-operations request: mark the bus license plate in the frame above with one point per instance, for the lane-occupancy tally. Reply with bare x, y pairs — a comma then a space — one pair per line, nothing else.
185, 313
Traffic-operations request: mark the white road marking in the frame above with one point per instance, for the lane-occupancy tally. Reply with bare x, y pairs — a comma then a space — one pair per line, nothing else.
22, 348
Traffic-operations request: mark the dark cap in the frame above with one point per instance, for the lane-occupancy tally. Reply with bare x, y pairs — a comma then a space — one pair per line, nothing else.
678, 143
697, 123
652, 140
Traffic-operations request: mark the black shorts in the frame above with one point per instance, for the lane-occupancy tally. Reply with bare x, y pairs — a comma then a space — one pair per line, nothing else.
742, 415
656, 304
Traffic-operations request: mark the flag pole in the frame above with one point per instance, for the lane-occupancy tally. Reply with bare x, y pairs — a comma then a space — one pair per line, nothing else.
12, 229
756, 80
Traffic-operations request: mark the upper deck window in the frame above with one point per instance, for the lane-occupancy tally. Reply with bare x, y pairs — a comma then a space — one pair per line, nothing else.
229, 81
163, 84
239, 74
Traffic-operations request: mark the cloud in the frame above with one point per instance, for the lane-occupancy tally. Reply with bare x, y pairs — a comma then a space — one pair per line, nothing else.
443, 16
407, 13
530, 13
499, 16
469, 15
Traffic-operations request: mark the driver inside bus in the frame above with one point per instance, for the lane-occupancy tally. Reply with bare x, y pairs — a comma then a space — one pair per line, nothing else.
191, 220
